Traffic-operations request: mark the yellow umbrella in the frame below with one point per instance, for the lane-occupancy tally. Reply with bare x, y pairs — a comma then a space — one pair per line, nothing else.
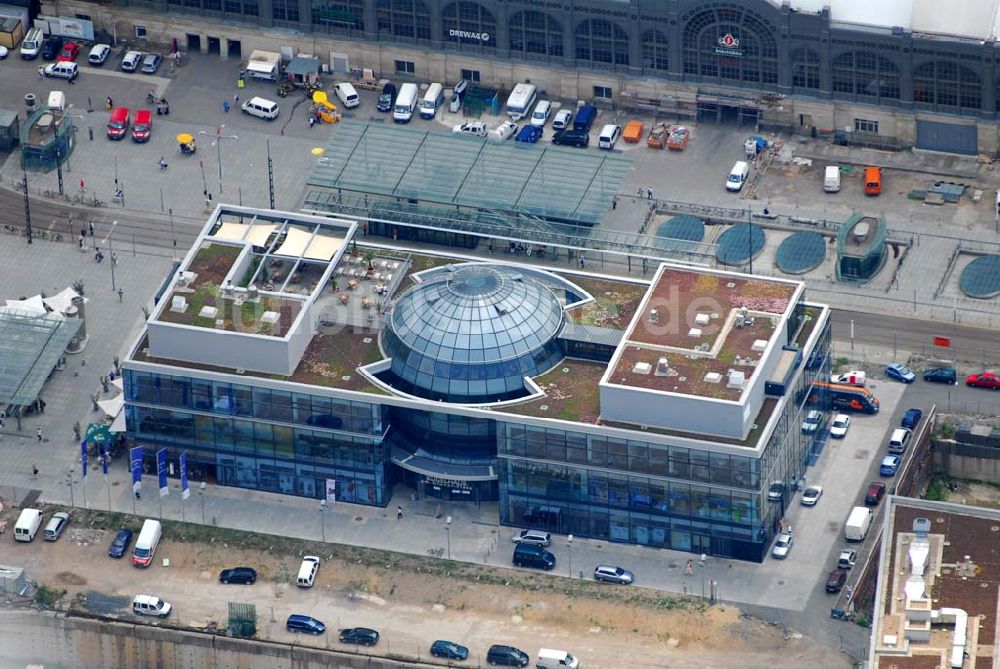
318, 151
185, 138
319, 96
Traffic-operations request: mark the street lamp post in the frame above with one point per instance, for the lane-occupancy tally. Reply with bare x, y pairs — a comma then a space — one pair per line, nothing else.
201, 494
569, 548
69, 482
111, 252
701, 563
447, 533
322, 518
218, 147
27, 205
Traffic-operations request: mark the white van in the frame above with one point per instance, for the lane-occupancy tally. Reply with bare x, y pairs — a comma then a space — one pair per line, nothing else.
63, 69
831, 179
406, 102
521, 100
433, 98
98, 54
261, 108
307, 571
130, 63
541, 114
32, 44
148, 605
556, 659
737, 176
27, 525
145, 545
347, 95
609, 136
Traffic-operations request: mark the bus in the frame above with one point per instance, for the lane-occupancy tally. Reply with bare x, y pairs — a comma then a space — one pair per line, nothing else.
521, 100
844, 398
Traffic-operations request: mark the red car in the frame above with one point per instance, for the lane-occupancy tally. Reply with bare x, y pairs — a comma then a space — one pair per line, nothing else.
69, 52
984, 380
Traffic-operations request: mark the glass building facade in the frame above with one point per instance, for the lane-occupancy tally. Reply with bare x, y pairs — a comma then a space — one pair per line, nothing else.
634, 491
262, 439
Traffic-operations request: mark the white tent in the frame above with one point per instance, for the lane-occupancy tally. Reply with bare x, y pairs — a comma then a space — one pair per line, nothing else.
113, 406
32, 305
62, 301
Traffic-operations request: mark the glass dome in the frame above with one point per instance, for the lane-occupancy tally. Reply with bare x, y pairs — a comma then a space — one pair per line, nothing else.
471, 335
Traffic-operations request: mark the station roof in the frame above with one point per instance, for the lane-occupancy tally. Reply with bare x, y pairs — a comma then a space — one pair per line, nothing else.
546, 181
963, 19
31, 344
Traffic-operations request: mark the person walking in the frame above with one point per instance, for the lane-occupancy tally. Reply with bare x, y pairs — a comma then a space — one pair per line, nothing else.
38, 433
90, 227
583, 261
689, 569
163, 163
41, 72
121, 298
225, 106
81, 241
109, 102
236, 100
34, 472
399, 513
649, 192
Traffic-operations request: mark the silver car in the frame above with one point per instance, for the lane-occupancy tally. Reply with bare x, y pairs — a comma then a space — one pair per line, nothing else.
612, 574
533, 537
782, 545
151, 63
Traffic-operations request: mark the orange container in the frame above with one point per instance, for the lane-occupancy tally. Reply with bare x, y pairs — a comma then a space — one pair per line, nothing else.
633, 131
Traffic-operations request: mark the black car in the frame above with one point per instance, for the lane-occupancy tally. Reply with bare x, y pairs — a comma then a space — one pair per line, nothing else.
387, 98
361, 636
507, 656
51, 47
941, 375
120, 545
578, 138
449, 650
302, 623
244, 575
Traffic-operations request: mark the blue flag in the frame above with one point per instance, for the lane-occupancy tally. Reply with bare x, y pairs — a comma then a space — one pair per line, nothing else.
185, 491
161, 471
83, 457
135, 457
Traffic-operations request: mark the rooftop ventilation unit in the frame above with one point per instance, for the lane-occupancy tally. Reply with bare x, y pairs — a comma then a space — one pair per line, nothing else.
662, 367
737, 379
694, 333
642, 368
654, 316
759, 345
184, 279
921, 527
713, 377
701, 319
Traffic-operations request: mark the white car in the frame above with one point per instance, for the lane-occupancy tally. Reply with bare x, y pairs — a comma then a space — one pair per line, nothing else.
504, 131
847, 558
562, 119
782, 546
811, 495
475, 128
838, 428
3, 52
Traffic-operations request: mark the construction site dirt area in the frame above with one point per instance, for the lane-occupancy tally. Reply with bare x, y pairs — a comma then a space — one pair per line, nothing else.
411, 600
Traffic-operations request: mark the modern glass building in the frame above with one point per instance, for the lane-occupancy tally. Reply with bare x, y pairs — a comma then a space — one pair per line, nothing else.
287, 356
892, 73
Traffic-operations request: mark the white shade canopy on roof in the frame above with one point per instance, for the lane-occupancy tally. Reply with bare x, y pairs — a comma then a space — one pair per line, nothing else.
112, 407
63, 300
32, 305
254, 233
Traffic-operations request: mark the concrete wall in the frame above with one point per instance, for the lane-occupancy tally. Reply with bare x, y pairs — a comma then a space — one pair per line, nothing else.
54, 639
969, 456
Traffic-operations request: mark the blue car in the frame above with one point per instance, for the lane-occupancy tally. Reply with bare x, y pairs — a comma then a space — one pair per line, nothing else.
121, 543
529, 133
449, 650
912, 418
890, 464
900, 372
300, 623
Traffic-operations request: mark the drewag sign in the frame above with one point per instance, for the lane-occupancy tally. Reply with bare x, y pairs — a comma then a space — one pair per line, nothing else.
465, 34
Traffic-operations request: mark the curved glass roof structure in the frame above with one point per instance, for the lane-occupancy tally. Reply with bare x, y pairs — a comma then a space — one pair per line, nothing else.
472, 335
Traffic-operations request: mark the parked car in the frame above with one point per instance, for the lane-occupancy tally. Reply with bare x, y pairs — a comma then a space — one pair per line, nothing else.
776, 492
782, 545
68, 71
570, 137
387, 98
475, 128
899, 440
899, 372
890, 464
449, 650
530, 134
835, 581
69, 52
131, 61
359, 636
56, 525
507, 656
562, 119
612, 574
847, 558
912, 418
120, 545
151, 63
941, 375
852, 378
984, 380
3, 52
301, 623
98, 54
245, 575
838, 428
504, 131
876, 491
812, 422
811, 495
532, 537
51, 47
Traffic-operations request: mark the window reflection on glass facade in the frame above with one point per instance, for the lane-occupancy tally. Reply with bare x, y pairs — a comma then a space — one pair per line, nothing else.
730, 44
633, 491
865, 76
947, 86
600, 41
408, 19
469, 17
535, 33
262, 439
